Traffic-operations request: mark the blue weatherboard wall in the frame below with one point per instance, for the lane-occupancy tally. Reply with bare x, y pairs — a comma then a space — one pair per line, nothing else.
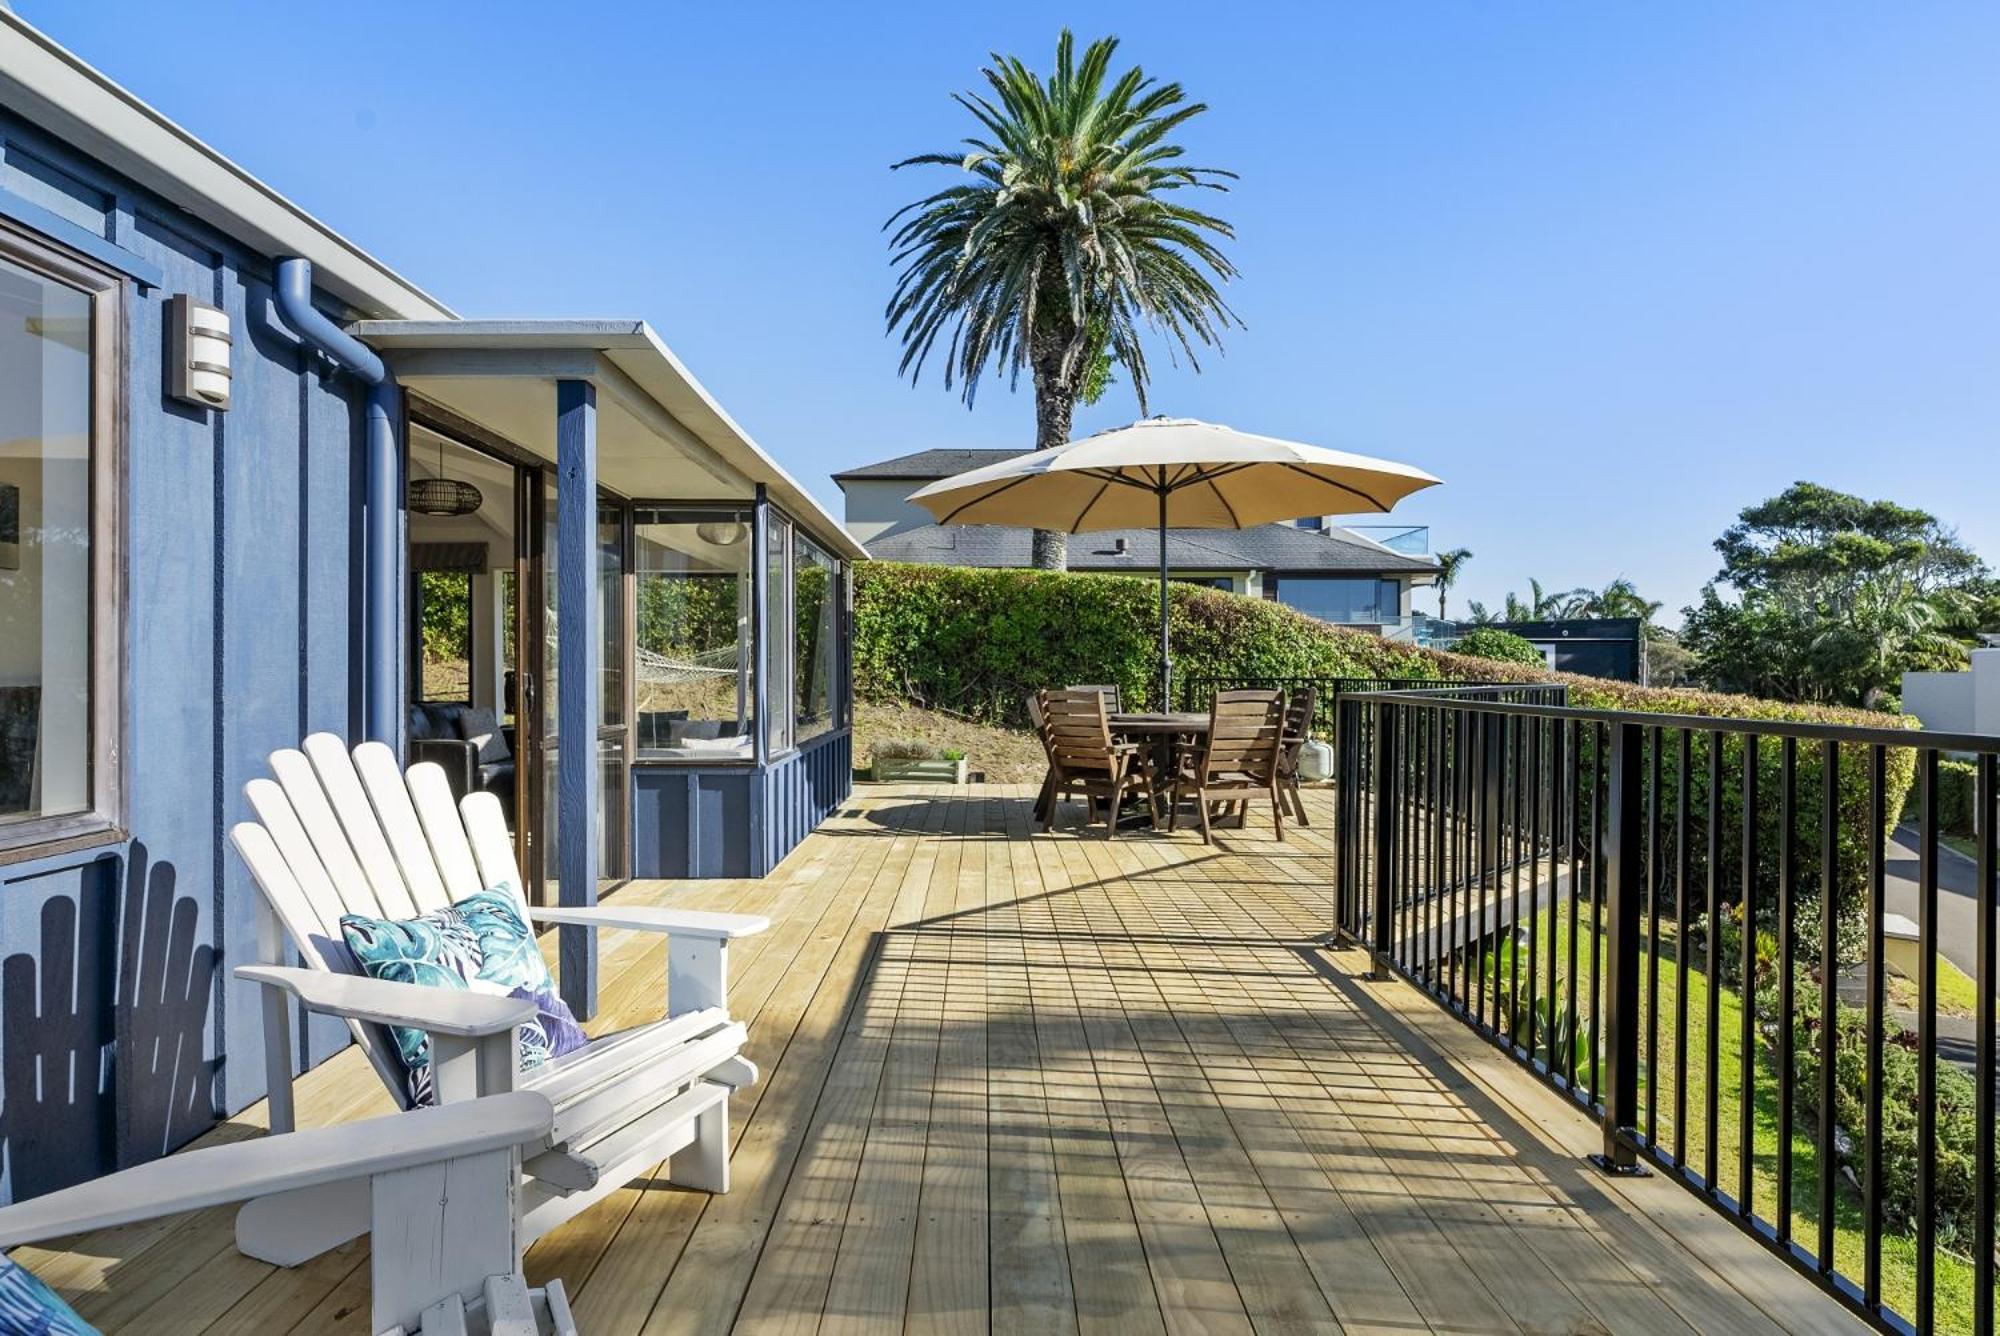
241, 550
735, 821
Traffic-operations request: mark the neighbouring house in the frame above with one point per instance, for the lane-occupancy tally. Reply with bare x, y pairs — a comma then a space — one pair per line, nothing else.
1337, 573
240, 461
1961, 702
1609, 647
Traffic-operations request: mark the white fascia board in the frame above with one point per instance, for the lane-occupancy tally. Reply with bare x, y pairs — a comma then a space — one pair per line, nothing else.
53, 89
635, 349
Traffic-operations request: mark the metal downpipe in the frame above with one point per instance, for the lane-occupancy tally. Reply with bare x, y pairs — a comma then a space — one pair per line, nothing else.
382, 542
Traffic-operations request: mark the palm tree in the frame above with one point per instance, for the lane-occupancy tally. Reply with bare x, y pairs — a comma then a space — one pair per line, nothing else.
1449, 565
1064, 244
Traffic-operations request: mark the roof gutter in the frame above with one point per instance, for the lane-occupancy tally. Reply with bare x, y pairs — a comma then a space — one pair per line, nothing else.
382, 541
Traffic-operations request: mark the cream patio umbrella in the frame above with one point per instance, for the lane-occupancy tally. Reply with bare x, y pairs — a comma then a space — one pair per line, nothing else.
1173, 473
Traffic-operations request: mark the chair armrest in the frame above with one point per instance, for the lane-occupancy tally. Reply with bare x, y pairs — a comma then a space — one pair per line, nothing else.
652, 918
435, 1010
214, 1175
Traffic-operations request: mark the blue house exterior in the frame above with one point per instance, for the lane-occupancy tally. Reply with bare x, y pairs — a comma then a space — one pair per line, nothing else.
659, 613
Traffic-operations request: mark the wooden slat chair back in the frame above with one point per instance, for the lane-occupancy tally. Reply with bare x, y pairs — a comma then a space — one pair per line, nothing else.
337, 833
1239, 756
1084, 759
1113, 697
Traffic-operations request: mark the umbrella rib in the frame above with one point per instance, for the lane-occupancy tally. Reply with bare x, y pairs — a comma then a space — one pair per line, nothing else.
1076, 525
1113, 475
985, 496
1225, 503
1341, 485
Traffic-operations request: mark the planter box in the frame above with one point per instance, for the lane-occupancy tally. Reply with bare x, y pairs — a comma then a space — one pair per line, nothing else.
921, 772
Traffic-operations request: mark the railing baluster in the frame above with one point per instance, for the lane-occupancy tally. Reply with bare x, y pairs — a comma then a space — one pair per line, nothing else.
1746, 1145
1927, 905
1385, 836
1512, 935
1534, 877
1683, 763
1572, 1013
1788, 849
1599, 780
1984, 1074
1625, 855
1712, 1108
1651, 835
1871, 1188
1829, 992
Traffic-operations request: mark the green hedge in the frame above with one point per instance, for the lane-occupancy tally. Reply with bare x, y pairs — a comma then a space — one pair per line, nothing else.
1958, 783
1490, 642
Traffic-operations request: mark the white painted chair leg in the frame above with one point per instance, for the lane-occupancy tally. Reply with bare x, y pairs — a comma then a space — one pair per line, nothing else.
288, 1228
441, 1229
703, 1164
276, 1009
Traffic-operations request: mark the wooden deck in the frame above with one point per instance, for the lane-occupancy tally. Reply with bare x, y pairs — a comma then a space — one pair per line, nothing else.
1054, 1084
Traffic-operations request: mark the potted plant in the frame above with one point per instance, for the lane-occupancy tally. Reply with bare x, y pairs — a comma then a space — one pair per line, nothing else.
924, 762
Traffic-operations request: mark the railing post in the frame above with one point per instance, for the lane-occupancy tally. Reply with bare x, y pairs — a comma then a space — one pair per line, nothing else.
1385, 837
1625, 855
1347, 812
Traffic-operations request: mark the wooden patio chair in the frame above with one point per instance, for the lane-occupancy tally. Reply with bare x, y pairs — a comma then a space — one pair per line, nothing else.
1299, 707
436, 1190
1239, 757
336, 835
1045, 799
1113, 698
1083, 759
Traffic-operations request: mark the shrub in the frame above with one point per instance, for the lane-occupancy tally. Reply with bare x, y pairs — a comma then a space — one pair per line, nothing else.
1956, 1107
1490, 642
1958, 783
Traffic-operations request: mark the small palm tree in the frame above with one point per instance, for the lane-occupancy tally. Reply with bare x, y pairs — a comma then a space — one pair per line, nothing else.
1449, 565
1066, 242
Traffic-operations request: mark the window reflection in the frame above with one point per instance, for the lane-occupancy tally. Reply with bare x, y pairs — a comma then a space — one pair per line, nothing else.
695, 686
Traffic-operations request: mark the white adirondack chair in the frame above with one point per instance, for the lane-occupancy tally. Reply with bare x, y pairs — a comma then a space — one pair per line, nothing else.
336, 835
438, 1187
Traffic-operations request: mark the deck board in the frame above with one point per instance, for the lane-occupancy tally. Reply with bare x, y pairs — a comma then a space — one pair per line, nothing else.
1019, 1082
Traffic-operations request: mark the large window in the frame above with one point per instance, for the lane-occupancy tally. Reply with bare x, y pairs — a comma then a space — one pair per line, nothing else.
58, 648
816, 597
695, 667
1366, 600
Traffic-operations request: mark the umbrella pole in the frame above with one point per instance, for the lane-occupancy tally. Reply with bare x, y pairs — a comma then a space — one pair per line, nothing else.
1166, 650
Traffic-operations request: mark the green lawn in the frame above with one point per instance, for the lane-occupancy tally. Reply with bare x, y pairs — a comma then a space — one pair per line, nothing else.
1954, 1273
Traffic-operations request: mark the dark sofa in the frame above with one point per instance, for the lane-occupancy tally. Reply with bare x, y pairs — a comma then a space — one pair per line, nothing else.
475, 749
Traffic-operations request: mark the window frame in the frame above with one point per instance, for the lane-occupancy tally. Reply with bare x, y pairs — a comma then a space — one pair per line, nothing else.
645, 511
103, 821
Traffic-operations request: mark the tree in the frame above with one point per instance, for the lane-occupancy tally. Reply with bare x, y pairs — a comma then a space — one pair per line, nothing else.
1449, 565
1065, 245
1836, 597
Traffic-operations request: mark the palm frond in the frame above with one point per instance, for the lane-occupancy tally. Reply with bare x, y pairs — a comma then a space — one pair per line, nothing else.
1063, 245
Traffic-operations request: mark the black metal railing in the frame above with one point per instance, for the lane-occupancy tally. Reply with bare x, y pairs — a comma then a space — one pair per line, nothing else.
1196, 693
1689, 926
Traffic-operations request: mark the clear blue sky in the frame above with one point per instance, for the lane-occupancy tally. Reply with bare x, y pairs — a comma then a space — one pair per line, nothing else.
1612, 271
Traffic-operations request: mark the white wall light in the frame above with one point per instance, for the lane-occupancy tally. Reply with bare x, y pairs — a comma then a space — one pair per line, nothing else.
197, 352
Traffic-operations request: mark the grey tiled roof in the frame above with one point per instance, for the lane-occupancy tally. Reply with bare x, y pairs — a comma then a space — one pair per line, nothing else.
1267, 547
929, 464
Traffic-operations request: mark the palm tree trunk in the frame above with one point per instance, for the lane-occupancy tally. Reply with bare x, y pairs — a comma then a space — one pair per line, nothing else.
1055, 409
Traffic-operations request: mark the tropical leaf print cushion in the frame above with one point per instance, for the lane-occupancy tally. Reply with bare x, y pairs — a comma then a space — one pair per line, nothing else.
480, 944
30, 1308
